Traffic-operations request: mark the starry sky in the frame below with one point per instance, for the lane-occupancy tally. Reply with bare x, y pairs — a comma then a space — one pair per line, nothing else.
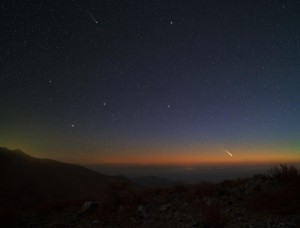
148, 81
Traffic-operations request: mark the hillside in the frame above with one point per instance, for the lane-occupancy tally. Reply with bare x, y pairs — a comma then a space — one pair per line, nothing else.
28, 181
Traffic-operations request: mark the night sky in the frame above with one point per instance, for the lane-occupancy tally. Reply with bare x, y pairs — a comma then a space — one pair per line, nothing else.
148, 81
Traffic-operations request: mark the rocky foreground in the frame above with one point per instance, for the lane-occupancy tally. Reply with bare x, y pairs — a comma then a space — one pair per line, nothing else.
259, 201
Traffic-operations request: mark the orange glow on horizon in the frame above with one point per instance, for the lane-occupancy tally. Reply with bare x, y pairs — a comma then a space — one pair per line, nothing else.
191, 161
182, 155
202, 158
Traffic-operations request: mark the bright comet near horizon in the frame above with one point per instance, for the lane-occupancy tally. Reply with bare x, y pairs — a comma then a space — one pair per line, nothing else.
228, 152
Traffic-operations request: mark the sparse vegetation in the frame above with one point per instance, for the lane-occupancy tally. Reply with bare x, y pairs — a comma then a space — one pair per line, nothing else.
286, 174
283, 197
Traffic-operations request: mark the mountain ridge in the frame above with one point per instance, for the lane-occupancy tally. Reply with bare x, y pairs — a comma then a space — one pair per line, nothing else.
28, 181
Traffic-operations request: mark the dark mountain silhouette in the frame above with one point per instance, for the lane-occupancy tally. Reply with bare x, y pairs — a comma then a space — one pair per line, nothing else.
28, 181
8, 156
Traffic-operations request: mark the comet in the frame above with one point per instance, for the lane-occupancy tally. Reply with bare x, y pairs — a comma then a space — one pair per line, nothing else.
228, 152
93, 18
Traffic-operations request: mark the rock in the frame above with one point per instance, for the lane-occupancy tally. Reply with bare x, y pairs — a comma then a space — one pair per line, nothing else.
87, 206
164, 207
280, 225
142, 212
209, 200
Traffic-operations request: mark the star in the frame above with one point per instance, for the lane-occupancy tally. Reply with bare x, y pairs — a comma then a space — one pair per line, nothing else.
171, 22
104, 103
169, 106
73, 125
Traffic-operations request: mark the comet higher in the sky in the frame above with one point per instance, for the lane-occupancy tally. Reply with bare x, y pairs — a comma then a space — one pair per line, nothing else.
93, 18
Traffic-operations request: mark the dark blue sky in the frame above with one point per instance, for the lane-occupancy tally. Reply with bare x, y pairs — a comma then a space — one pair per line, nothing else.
93, 77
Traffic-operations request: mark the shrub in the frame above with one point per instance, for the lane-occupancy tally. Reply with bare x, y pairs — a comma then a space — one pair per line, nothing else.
286, 174
282, 198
